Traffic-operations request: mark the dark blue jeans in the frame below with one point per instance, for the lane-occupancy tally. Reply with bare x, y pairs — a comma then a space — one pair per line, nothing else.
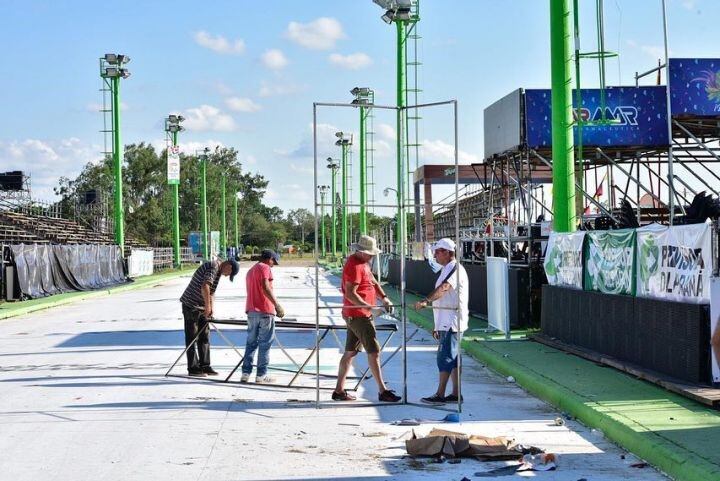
261, 328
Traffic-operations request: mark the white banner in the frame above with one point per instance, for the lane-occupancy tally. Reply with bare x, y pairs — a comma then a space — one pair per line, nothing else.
140, 263
715, 328
564, 259
674, 263
173, 164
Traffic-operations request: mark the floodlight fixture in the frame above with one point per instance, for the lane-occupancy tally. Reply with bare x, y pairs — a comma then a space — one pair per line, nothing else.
124, 73
388, 17
387, 191
360, 91
111, 72
339, 135
123, 59
173, 119
111, 58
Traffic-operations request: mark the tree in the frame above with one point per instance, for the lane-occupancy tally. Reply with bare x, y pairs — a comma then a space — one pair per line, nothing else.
301, 221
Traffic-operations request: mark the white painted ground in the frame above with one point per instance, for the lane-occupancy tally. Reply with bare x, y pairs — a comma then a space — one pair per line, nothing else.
84, 397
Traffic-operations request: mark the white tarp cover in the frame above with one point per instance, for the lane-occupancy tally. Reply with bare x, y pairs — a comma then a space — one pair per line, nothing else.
564, 259
498, 295
674, 263
140, 263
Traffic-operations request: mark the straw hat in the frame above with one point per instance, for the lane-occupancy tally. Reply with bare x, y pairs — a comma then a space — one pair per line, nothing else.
366, 245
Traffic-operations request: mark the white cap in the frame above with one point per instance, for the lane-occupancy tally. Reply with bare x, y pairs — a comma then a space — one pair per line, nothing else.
445, 243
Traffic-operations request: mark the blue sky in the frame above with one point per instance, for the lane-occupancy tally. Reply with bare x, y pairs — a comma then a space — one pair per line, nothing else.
245, 74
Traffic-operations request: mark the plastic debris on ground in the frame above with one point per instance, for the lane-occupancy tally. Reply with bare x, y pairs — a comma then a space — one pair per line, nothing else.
450, 418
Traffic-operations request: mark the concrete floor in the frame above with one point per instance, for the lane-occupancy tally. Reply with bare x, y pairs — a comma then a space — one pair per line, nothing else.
84, 397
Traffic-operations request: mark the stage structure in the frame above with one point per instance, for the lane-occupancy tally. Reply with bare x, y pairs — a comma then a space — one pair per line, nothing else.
404, 245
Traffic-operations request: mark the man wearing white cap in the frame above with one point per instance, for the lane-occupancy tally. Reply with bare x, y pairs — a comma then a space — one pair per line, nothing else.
449, 300
360, 293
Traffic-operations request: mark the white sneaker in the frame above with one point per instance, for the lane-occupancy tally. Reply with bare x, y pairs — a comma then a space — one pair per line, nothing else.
245, 377
266, 379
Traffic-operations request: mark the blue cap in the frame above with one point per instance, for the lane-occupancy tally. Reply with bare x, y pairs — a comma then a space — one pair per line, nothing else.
269, 254
235, 268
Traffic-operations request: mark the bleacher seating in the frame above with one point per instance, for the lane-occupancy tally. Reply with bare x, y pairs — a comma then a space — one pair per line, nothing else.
16, 227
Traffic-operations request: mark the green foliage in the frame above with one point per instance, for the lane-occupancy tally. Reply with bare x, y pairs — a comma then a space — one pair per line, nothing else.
148, 198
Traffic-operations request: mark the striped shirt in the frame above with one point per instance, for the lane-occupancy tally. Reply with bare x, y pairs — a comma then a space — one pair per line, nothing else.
208, 273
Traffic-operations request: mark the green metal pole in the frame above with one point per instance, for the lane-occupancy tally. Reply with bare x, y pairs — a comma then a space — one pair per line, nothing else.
401, 224
223, 226
117, 166
237, 236
176, 215
206, 249
363, 173
343, 215
334, 213
562, 134
322, 221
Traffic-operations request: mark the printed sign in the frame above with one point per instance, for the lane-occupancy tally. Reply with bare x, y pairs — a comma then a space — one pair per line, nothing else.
610, 261
637, 116
173, 164
675, 263
564, 259
695, 86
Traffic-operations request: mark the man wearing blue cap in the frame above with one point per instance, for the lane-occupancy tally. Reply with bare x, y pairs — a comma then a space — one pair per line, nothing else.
261, 307
197, 308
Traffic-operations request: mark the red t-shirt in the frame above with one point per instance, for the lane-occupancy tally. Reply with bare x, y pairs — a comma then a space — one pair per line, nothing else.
256, 300
358, 272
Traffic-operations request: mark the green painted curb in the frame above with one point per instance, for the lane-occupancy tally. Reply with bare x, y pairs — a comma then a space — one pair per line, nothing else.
673, 459
139, 284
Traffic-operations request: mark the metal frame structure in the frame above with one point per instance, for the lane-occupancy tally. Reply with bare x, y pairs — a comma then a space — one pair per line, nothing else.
402, 242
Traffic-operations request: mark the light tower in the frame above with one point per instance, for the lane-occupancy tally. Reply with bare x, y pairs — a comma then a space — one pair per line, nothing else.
344, 142
399, 13
111, 71
363, 97
323, 190
333, 165
172, 127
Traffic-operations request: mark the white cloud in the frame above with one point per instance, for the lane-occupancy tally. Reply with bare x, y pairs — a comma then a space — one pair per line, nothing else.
326, 144
434, 151
299, 194
300, 169
241, 104
274, 59
219, 43
688, 4
386, 131
353, 61
208, 118
654, 51
320, 34
188, 148
47, 160
272, 90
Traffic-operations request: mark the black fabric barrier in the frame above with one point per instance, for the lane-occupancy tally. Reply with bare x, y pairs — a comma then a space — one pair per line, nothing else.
44, 270
669, 337
420, 279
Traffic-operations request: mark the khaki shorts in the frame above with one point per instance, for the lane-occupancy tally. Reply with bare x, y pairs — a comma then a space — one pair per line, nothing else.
361, 331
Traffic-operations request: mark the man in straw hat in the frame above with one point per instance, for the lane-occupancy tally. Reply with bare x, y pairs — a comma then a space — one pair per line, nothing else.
360, 292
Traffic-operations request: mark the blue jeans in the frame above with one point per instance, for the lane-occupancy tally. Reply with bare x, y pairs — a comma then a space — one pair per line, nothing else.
261, 328
447, 351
